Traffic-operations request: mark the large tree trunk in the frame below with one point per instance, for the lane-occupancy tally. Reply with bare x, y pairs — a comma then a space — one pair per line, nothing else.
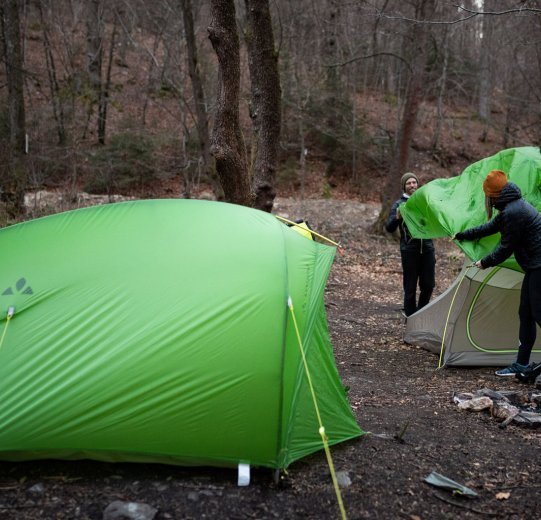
227, 142
266, 95
13, 179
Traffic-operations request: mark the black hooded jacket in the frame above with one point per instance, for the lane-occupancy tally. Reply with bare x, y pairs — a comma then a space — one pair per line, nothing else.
519, 224
407, 243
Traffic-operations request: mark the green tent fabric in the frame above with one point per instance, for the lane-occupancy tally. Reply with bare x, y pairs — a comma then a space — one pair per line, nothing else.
475, 321
159, 331
444, 207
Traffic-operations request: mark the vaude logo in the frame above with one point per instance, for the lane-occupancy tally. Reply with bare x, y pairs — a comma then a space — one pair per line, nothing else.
21, 287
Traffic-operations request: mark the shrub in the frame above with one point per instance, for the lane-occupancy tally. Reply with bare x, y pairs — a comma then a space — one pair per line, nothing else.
126, 163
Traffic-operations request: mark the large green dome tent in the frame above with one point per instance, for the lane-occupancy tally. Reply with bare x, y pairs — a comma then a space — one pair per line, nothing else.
475, 321
160, 331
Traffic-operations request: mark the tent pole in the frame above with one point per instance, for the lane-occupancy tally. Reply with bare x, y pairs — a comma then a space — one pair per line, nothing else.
449, 315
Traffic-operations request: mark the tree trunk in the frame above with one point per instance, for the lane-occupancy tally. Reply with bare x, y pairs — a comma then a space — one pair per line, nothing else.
485, 72
414, 96
105, 89
14, 75
13, 181
227, 144
441, 91
94, 40
266, 95
197, 84
57, 104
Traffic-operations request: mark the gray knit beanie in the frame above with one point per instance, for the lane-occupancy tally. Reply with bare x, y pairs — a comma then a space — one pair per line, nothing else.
405, 178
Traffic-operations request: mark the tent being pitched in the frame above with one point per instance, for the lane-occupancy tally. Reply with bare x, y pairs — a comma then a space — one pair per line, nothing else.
159, 331
478, 314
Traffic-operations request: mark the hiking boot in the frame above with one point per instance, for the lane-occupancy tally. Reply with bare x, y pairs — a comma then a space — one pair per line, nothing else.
515, 368
530, 374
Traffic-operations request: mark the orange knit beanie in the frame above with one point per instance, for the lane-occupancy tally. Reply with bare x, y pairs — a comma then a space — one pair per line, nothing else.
494, 183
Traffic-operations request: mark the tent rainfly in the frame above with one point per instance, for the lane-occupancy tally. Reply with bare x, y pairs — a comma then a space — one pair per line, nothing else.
475, 321
160, 331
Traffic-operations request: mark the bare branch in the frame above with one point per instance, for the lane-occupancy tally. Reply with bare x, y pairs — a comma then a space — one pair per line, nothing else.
499, 13
472, 14
357, 58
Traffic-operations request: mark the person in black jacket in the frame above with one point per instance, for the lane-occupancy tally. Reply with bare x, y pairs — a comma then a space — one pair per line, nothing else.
519, 224
418, 255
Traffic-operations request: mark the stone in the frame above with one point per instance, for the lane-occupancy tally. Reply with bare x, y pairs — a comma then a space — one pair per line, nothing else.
119, 510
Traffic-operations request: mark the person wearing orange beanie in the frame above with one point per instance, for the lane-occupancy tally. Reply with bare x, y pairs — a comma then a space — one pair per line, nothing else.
417, 255
519, 225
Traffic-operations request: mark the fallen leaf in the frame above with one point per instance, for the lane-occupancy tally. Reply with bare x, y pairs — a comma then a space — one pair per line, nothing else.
503, 495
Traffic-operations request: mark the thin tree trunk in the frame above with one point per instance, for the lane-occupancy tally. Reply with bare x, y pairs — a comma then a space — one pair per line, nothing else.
485, 73
58, 108
197, 84
13, 181
227, 142
266, 96
104, 91
94, 38
441, 92
414, 96
14, 75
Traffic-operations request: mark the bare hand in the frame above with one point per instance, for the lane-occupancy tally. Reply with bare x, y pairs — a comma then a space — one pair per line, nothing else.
478, 264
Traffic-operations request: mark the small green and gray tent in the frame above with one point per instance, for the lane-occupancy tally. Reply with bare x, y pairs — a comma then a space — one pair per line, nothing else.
160, 331
475, 321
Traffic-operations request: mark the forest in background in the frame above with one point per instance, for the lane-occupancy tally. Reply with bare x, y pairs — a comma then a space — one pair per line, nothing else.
127, 96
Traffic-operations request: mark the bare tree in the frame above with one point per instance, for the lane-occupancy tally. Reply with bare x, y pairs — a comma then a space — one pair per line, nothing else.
54, 85
486, 70
266, 96
197, 83
95, 28
227, 142
13, 182
415, 91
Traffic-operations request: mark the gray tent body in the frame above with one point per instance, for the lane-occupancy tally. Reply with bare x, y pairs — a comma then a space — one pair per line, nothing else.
479, 315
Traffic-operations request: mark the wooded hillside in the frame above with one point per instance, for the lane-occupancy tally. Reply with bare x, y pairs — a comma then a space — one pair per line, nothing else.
128, 96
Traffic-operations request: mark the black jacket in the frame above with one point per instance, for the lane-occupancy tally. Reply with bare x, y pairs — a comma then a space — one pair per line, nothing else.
519, 224
407, 243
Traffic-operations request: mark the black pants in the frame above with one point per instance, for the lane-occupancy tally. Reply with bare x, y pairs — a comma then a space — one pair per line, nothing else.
417, 268
529, 313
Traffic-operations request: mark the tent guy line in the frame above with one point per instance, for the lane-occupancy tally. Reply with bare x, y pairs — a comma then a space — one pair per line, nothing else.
321, 430
467, 268
290, 222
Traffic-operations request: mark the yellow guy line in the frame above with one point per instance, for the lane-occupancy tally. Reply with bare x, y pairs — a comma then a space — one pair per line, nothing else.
11, 310
311, 231
449, 313
324, 437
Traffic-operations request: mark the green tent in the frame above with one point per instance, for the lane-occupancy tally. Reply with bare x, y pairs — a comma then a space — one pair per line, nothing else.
160, 331
475, 320
444, 207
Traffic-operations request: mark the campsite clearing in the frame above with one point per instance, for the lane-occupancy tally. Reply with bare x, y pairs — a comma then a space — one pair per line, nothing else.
395, 391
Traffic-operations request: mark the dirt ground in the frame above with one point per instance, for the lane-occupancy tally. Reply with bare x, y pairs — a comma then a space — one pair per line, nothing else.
399, 398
